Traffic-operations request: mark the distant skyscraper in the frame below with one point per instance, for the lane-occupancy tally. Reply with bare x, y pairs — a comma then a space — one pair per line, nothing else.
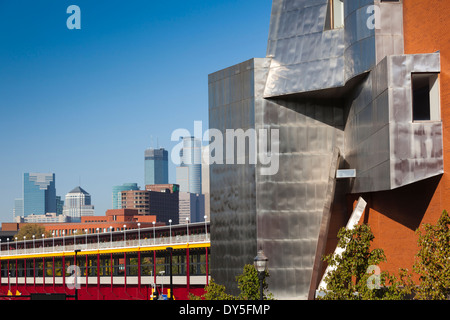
78, 204
39, 193
59, 205
156, 166
117, 193
18, 208
205, 181
189, 173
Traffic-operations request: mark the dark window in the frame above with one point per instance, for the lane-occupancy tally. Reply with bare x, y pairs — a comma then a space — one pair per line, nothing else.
425, 97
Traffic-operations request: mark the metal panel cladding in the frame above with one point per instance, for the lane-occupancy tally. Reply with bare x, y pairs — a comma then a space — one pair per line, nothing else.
232, 186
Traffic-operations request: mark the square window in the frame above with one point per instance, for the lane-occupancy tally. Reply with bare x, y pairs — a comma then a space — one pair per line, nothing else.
425, 97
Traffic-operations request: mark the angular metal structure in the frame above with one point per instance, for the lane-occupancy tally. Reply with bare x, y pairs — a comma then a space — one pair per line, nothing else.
335, 81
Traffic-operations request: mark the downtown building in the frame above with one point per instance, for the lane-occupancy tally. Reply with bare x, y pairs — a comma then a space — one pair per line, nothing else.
39, 195
160, 200
189, 172
156, 166
359, 85
117, 193
78, 204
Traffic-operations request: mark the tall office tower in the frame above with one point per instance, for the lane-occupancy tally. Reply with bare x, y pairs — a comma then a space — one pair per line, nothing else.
39, 193
18, 208
189, 173
156, 166
344, 85
78, 204
117, 193
205, 181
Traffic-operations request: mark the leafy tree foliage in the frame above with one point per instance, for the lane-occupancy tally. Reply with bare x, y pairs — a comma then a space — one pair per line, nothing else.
214, 291
30, 229
248, 283
350, 279
433, 260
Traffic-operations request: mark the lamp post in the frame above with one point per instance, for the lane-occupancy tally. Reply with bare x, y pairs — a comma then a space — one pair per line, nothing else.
98, 238
34, 248
64, 244
170, 230
110, 235
139, 233
260, 263
43, 237
86, 232
154, 239
74, 240
24, 245
187, 228
206, 228
124, 235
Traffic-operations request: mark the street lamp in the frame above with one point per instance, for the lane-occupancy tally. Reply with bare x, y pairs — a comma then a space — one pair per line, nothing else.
110, 235
170, 230
74, 240
86, 232
139, 233
124, 235
154, 239
98, 238
206, 229
260, 263
187, 228
34, 249
24, 245
43, 237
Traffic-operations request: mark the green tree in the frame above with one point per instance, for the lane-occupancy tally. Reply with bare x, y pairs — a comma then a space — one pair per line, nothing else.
248, 283
213, 291
30, 229
433, 260
355, 274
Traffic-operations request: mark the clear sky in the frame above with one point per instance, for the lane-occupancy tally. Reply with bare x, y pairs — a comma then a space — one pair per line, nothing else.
86, 103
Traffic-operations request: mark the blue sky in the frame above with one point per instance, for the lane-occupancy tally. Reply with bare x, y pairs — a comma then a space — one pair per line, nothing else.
85, 104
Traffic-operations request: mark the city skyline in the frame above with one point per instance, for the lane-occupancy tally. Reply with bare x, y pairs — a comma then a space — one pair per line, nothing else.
84, 104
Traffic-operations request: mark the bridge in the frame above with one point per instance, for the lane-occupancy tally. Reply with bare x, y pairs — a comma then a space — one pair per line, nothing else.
127, 264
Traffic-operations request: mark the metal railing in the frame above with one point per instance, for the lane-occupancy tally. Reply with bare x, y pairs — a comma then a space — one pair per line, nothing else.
104, 245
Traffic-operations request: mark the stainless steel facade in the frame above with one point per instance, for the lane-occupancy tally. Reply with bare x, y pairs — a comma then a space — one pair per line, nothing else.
343, 91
